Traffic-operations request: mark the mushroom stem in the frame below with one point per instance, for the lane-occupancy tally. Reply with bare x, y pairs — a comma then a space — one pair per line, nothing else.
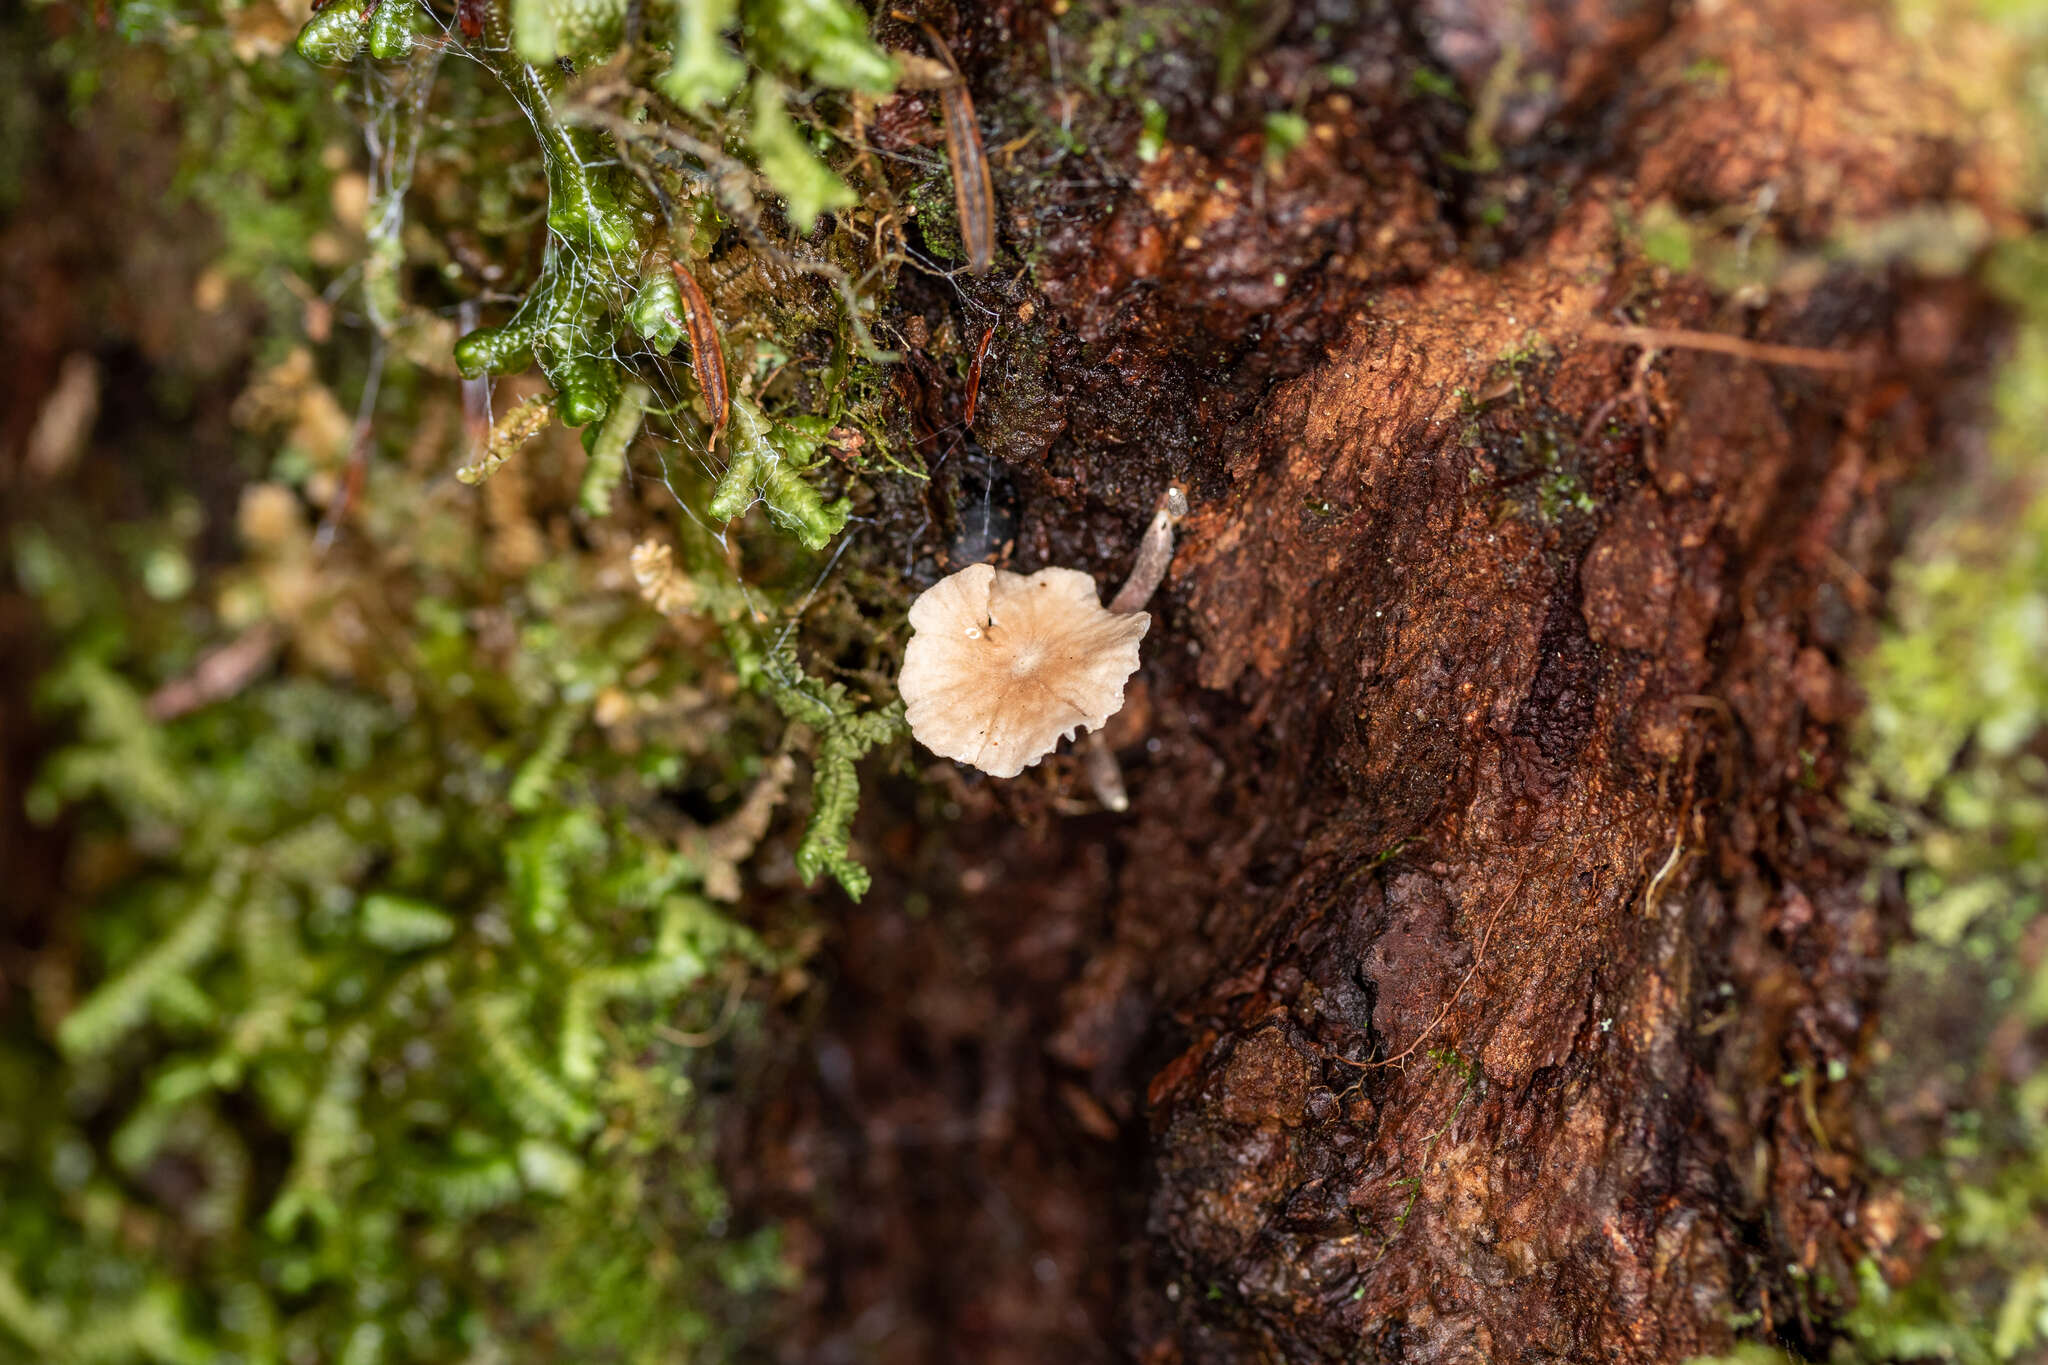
1105, 774
1155, 552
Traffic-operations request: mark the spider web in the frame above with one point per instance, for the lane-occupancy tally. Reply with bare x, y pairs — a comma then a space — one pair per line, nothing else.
671, 449
394, 110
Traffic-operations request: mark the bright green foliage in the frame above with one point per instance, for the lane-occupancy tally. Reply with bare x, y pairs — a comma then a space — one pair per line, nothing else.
807, 184
1152, 133
585, 386
764, 464
583, 205
160, 975
566, 322
560, 320
543, 30
604, 207
796, 507
738, 486
376, 1033
706, 69
1284, 132
657, 311
411, 960
844, 732
391, 29
827, 41
530, 789
119, 738
399, 924
542, 1103
334, 36
508, 348
1667, 238
824, 41
607, 446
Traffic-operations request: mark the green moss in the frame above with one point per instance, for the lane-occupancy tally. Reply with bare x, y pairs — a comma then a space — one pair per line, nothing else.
1426, 81
844, 732
657, 311
543, 30
808, 186
392, 27
334, 36
1954, 784
409, 942
706, 70
1152, 135
381, 1036
764, 466
607, 447
626, 184
1667, 239
824, 40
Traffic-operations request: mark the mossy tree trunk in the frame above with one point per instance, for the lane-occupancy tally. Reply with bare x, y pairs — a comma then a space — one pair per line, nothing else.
1484, 969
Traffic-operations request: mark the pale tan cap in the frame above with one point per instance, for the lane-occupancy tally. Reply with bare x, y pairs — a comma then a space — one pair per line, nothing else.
1000, 666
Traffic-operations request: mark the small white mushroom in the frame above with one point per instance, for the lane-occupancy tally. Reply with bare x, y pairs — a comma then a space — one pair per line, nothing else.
1001, 666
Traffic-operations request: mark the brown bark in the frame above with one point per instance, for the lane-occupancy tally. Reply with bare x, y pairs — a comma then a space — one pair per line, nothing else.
1481, 880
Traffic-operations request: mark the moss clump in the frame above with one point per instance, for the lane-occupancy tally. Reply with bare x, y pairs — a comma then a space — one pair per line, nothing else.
764, 467
384, 1022
844, 732
1955, 783
674, 152
377, 1045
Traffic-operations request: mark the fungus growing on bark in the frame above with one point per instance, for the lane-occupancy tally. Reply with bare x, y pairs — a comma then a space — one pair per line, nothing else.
1001, 666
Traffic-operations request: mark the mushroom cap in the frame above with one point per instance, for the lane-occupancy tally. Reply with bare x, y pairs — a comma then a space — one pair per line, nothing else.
1000, 666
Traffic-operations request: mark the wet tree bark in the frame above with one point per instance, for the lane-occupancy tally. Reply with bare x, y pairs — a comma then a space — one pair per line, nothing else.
1475, 972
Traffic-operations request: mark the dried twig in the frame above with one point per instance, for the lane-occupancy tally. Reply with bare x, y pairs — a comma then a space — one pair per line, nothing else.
219, 674
707, 351
1763, 352
974, 197
974, 375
